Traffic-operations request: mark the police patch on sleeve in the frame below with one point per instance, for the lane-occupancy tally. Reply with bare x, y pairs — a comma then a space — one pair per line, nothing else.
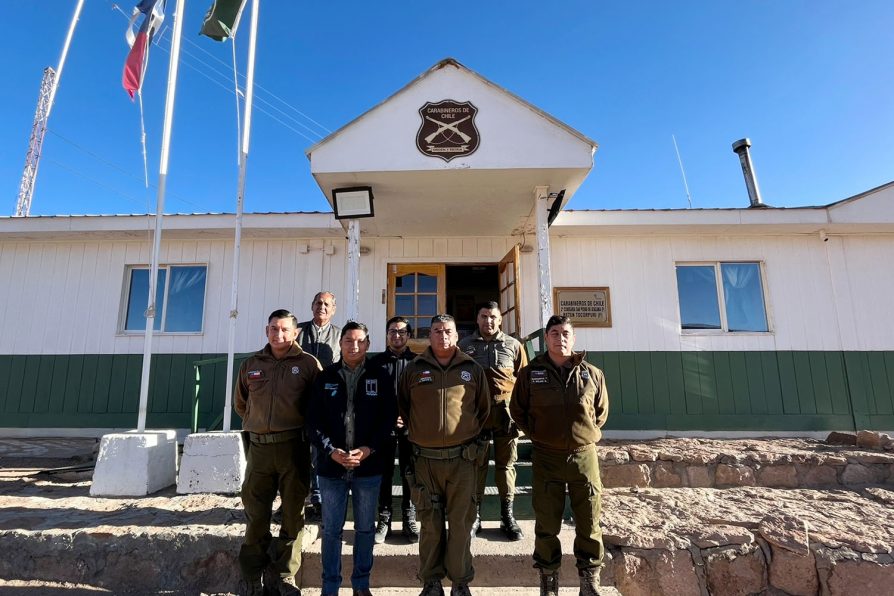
539, 377
465, 376
295, 370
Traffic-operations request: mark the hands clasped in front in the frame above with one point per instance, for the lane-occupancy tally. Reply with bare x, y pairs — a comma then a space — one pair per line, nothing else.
350, 459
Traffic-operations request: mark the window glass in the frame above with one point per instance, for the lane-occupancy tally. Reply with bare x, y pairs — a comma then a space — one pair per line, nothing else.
405, 284
403, 305
427, 305
137, 295
186, 297
427, 283
743, 296
180, 299
697, 289
423, 327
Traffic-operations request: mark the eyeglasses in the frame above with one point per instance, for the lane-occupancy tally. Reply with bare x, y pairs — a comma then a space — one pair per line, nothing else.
400, 332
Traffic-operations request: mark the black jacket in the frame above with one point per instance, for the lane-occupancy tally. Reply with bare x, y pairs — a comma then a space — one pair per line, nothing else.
375, 410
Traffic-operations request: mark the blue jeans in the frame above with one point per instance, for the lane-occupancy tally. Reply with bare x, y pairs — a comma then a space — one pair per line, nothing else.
365, 495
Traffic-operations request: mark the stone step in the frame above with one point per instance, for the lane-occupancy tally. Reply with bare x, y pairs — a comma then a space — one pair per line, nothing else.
523, 473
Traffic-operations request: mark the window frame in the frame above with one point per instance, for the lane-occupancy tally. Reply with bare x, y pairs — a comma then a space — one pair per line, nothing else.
721, 300
125, 299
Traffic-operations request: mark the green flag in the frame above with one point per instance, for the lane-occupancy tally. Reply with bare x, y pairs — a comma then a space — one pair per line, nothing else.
222, 19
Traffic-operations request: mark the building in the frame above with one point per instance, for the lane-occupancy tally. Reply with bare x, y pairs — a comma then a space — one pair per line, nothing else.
727, 320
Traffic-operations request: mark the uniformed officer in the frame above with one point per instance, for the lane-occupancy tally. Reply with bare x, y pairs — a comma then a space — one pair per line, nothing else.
444, 400
271, 396
560, 401
394, 360
501, 356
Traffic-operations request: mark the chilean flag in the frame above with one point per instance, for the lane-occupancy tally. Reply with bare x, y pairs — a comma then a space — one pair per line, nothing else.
153, 12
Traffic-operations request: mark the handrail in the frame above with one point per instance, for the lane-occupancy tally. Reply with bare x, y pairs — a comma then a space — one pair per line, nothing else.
197, 365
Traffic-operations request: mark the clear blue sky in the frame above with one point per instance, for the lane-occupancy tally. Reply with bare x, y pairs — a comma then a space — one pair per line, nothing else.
808, 81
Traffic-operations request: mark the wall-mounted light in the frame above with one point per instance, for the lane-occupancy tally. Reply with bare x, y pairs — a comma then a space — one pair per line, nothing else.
353, 203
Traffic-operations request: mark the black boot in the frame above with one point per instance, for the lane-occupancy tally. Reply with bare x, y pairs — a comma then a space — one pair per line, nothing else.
589, 581
549, 583
507, 522
476, 525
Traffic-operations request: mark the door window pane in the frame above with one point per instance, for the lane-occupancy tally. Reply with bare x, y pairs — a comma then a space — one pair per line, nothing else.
405, 284
423, 327
744, 297
427, 305
427, 283
403, 305
697, 289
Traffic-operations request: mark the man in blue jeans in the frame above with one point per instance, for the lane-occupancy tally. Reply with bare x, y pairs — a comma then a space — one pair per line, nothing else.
351, 414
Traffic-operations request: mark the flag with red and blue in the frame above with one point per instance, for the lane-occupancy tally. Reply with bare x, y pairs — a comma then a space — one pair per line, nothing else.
153, 12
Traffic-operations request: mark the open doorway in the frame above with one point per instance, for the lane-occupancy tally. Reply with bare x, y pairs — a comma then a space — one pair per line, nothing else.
468, 285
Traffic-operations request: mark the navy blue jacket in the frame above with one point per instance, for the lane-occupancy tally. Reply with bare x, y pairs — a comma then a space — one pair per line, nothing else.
375, 410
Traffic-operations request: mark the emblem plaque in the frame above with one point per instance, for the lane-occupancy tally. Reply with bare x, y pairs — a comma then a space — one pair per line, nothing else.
448, 129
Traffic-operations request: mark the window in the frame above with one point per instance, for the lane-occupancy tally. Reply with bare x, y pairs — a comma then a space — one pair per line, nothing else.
736, 304
179, 299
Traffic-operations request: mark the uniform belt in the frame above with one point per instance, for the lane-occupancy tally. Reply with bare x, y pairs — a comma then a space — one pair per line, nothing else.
442, 453
277, 437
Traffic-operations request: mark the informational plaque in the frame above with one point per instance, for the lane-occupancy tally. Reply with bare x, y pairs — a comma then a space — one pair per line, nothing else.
586, 307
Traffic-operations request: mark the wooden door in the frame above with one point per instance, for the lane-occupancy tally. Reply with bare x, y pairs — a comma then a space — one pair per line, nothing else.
510, 292
417, 291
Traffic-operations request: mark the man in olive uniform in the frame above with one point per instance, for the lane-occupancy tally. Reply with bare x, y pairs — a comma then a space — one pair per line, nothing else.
502, 357
271, 396
561, 402
444, 401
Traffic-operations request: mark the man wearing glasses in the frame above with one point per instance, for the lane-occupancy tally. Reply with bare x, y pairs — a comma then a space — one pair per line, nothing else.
394, 360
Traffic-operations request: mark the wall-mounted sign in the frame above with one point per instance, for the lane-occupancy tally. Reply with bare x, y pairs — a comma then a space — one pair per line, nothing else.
586, 307
448, 129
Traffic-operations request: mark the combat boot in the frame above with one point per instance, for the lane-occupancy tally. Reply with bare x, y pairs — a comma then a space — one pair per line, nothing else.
549, 583
476, 525
383, 527
410, 527
507, 522
254, 587
460, 590
432, 588
589, 581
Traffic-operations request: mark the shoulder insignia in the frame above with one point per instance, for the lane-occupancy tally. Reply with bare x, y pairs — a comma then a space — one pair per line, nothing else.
295, 370
465, 376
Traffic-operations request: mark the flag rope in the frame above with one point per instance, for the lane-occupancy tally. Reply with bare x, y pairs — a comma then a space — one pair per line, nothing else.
143, 140
238, 115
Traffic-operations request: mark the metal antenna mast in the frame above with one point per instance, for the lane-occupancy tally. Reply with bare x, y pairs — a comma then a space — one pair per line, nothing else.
38, 130
48, 87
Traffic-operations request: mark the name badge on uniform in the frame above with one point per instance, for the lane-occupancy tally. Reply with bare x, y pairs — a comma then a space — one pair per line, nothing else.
332, 388
425, 377
539, 377
465, 376
372, 387
255, 374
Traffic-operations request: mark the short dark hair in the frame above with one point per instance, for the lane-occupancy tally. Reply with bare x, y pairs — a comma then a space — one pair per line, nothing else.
557, 320
283, 314
351, 326
399, 320
444, 318
488, 305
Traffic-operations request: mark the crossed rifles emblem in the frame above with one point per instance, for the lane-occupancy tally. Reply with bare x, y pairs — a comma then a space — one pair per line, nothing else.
447, 138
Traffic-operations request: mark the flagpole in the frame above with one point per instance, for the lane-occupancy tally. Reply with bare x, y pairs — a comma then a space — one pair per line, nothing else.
159, 210
240, 198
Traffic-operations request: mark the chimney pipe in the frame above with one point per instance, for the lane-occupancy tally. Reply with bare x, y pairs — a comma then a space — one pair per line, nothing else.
740, 147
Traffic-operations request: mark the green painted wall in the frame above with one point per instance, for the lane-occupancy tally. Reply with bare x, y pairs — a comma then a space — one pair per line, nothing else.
758, 391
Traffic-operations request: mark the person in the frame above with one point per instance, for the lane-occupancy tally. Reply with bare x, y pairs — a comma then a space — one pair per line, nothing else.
444, 401
561, 402
271, 394
394, 360
351, 413
501, 356
320, 338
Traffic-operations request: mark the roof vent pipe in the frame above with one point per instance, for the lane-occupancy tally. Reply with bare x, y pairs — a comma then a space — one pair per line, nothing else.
740, 147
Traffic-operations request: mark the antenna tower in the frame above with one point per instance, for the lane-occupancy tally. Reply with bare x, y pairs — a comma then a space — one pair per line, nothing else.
38, 130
